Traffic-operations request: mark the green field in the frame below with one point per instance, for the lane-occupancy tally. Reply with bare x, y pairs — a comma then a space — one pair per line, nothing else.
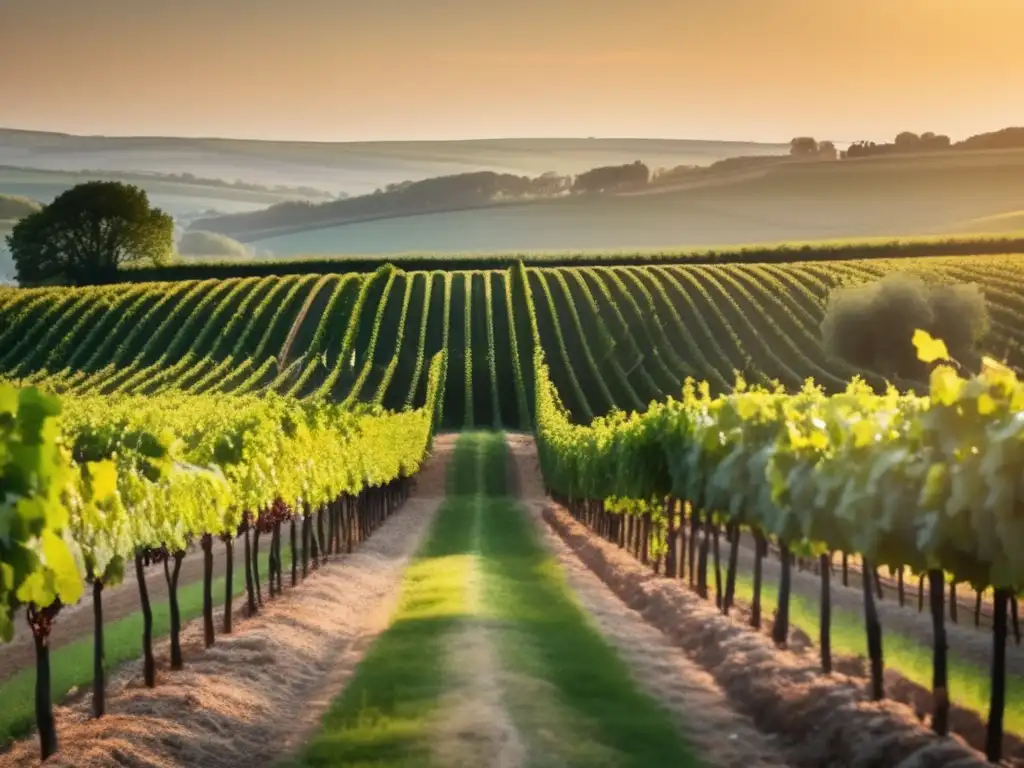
615, 337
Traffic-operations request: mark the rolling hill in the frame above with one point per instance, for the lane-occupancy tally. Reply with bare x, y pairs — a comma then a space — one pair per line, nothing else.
886, 196
352, 167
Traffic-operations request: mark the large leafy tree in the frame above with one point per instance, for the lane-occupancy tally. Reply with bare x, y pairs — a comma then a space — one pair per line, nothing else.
89, 231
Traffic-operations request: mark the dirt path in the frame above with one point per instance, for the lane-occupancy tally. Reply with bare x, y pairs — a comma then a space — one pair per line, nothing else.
965, 642
722, 736
824, 720
257, 694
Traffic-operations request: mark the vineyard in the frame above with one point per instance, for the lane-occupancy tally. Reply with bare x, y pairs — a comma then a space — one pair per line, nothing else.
99, 486
144, 422
929, 484
614, 337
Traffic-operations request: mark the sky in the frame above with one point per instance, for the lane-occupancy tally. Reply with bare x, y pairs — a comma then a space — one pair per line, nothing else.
352, 70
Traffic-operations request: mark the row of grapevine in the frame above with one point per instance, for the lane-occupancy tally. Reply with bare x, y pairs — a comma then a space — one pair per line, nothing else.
95, 485
671, 361
344, 349
929, 484
626, 347
431, 284
614, 337
492, 358
467, 352
550, 335
381, 387
480, 378
365, 352
515, 408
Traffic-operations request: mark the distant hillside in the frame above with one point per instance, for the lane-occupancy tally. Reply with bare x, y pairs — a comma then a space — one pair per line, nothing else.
462, 191
353, 167
1007, 138
183, 196
747, 187
181, 179
875, 197
480, 189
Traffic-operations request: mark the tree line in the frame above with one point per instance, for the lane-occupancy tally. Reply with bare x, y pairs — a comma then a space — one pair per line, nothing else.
907, 142
434, 195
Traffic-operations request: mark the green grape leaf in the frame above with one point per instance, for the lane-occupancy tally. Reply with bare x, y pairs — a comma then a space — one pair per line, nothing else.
929, 349
103, 479
67, 579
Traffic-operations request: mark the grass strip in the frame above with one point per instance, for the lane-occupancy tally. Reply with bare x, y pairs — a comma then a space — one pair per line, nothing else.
579, 695
969, 685
544, 635
383, 716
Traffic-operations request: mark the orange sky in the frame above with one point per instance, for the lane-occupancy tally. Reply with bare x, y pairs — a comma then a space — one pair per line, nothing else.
426, 69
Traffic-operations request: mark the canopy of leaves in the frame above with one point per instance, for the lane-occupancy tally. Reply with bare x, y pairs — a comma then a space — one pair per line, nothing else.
613, 177
803, 145
87, 232
872, 325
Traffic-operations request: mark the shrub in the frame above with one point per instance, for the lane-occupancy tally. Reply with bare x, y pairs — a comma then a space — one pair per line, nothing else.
871, 326
199, 243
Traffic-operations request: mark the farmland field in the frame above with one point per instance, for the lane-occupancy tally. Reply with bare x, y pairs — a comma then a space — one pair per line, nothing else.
499, 592
616, 337
916, 195
656, 221
416, 388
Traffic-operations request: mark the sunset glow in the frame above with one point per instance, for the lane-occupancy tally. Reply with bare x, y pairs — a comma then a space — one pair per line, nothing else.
407, 69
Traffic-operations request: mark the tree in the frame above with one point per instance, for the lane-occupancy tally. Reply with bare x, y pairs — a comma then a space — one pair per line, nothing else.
89, 231
608, 178
907, 140
803, 146
871, 325
931, 140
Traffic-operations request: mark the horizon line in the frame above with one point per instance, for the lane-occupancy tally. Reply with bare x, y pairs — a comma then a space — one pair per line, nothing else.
460, 140
206, 137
